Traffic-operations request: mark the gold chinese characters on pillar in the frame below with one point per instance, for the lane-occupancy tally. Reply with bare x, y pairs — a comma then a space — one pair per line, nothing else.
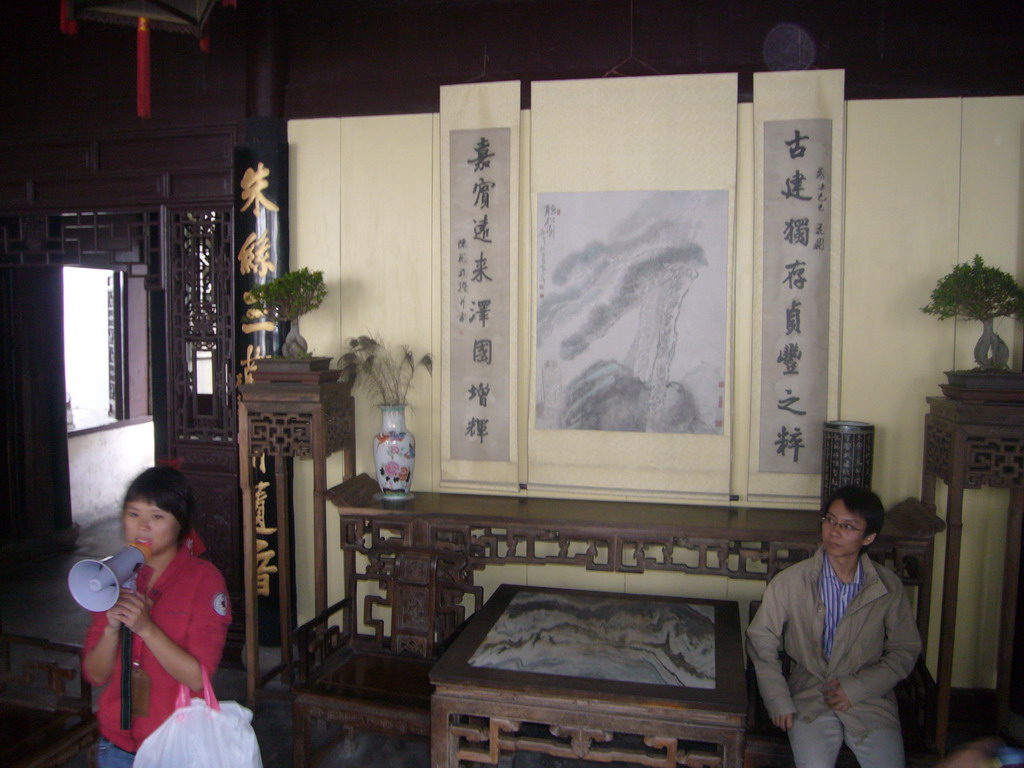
261, 241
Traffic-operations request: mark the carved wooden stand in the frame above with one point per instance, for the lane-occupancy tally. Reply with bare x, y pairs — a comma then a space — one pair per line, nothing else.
968, 445
303, 416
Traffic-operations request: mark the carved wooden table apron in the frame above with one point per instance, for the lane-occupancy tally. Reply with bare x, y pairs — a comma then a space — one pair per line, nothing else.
968, 445
597, 676
735, 542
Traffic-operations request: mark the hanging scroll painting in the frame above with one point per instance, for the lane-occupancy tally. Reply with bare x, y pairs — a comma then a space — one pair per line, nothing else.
631, 311
799, 129
633, 187
479, 295
795, 310
479, 150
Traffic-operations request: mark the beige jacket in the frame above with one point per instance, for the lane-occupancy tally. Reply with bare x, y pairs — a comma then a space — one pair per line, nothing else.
876, 645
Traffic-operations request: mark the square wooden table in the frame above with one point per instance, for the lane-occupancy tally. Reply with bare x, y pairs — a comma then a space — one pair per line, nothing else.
606, 677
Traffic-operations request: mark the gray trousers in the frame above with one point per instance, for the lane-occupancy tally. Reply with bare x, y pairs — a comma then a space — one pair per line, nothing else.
816, 744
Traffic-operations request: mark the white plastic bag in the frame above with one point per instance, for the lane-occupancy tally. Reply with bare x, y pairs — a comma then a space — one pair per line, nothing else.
202, 733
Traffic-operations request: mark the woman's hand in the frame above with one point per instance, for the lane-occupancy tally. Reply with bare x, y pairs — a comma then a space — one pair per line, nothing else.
132, 610
836, 697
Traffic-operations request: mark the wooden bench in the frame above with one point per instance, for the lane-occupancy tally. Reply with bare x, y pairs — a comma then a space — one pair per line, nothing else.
46, 713
413, 563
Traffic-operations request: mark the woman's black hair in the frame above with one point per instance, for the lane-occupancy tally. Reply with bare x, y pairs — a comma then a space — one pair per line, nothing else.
861, 502
168, 489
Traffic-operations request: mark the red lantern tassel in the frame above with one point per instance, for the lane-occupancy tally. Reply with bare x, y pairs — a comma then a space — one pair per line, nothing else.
142, 88
204, 43
68, 26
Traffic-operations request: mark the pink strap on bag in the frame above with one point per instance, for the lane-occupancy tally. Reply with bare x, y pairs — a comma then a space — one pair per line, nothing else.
185, 694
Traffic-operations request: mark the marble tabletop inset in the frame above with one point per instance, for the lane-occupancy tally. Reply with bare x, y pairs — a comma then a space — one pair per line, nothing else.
664, 643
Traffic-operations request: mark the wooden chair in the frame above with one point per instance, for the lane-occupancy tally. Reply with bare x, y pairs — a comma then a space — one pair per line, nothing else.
371, 674
46, 713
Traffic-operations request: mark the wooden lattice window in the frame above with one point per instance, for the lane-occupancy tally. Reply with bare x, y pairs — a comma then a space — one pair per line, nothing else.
200, 323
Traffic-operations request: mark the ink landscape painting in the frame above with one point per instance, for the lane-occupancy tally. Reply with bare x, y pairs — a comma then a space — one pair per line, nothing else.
631, 310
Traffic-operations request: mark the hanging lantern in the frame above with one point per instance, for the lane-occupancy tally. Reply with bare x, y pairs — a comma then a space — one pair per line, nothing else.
187, 16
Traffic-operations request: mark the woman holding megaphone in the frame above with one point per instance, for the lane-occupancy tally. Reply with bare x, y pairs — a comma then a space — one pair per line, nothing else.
162, 632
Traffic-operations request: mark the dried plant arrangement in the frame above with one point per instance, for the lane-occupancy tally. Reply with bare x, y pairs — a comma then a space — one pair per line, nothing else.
382, 372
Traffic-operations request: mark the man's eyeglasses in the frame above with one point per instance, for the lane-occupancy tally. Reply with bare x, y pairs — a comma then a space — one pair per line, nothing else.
844, 527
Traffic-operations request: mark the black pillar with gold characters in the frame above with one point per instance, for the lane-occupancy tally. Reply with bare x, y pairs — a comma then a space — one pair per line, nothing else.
261, 246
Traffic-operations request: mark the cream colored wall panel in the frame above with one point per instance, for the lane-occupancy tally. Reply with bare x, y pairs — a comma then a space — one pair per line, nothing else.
526, 327
618, 133
677, 585
743, 320
573, 577
991, 206
901, 225
314, 159
387, 265
745, 591
990, 221
493, 576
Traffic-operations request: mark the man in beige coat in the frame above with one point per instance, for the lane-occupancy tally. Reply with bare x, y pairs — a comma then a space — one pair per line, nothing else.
846, 623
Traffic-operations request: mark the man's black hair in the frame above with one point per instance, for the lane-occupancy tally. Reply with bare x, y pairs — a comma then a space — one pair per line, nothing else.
862, 502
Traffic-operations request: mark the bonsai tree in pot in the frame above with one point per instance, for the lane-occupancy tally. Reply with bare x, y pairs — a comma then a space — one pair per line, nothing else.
975, 291
286, 299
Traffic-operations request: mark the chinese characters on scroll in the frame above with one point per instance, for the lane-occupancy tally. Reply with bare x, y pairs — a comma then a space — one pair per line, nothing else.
796, 277
480, 317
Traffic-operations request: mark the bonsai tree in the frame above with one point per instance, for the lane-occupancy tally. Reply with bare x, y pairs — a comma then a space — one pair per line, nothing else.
286, 299
978, 292
381, 372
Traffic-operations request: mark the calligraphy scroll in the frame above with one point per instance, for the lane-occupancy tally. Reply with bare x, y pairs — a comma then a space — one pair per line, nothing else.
478, 287
480, 139
798, 133
795, 303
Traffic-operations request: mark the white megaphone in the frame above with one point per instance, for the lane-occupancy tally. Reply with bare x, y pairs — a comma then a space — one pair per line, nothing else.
96, 584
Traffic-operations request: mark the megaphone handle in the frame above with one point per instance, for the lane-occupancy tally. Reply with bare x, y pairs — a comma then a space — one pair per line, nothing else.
126, 678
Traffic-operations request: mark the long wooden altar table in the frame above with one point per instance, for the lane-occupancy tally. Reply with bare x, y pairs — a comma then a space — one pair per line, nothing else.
736, 542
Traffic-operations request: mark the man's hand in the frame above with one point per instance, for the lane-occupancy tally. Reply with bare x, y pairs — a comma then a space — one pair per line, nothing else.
836, 697
785, 722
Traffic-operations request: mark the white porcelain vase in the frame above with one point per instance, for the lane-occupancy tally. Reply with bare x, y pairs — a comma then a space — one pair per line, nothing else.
394, 453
